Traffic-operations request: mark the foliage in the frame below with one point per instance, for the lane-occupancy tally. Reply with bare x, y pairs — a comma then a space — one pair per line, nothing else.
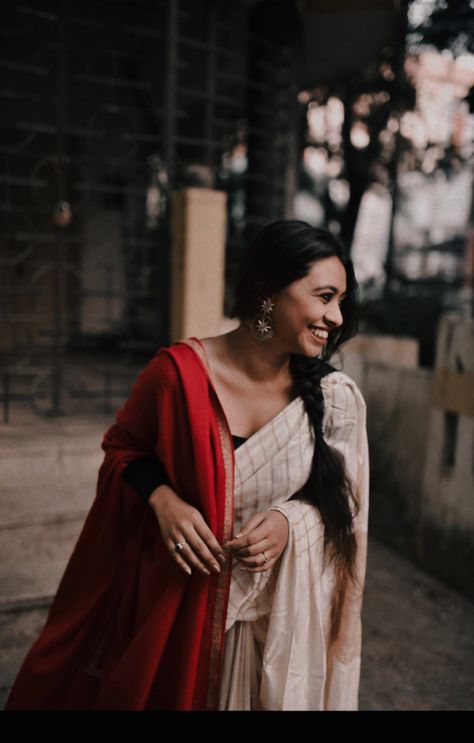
449, 25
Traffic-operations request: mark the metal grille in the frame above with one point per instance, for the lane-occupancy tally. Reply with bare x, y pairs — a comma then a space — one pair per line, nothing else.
105, 108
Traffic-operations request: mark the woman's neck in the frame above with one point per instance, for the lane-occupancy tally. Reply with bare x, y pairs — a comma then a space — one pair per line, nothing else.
262, 361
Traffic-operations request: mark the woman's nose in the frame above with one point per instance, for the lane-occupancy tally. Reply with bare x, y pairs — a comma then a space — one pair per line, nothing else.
334, 315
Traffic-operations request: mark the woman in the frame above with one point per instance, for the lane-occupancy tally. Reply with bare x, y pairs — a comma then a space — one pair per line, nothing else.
239, 584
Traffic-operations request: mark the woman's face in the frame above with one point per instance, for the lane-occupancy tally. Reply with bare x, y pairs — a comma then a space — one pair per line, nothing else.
311, 301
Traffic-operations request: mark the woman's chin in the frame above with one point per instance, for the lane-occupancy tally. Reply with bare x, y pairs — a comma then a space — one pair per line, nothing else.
310, 350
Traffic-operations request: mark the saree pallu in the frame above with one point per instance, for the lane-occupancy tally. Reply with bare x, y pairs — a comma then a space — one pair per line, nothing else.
279, 654
129, 630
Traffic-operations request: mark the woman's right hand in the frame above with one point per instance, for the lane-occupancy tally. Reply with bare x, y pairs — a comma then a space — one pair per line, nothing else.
181, 522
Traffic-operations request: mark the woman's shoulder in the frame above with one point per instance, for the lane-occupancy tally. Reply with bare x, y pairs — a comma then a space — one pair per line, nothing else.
171, 361
341, 391
161, 367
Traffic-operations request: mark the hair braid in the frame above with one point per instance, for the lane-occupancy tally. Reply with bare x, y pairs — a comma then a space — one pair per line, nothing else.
281, 253
328, 475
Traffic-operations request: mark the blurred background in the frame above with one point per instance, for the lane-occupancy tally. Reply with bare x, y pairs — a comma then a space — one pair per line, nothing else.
143, 144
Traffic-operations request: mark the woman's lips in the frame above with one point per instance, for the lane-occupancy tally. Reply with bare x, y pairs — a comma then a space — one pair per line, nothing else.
318, 339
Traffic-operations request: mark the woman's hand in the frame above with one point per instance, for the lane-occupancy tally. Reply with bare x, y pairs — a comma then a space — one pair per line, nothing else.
181, 522
267, 532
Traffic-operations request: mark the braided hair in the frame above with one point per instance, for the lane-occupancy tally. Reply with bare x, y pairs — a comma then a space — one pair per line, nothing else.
283, 252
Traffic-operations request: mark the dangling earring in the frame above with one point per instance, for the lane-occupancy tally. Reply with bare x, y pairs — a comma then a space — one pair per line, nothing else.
261, 324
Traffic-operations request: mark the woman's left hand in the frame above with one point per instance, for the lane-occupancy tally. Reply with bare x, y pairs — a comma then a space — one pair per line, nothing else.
267, 532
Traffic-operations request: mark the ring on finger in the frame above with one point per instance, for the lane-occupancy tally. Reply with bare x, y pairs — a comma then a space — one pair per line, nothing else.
265, 556
180, 545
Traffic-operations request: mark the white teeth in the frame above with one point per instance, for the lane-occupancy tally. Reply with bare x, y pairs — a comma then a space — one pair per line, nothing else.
319, 333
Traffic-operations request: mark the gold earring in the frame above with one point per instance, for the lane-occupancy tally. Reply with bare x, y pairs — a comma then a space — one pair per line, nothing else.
262, 324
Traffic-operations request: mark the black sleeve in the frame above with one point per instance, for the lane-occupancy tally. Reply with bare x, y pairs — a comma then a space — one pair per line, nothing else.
144, 475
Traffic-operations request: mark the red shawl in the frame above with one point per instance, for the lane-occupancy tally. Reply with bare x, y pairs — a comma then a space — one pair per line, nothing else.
128, 629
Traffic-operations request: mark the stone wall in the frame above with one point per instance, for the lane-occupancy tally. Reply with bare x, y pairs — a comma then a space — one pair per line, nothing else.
420, 437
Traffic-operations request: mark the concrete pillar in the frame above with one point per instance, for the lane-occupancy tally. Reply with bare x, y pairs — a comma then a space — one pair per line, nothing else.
198, 245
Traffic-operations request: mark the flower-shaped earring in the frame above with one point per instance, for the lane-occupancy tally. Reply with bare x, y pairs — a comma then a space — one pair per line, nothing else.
262, 323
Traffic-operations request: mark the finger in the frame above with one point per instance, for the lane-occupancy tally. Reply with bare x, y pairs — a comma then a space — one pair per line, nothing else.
258, 540
213, 548
249, 553
241, 539
258, 560
198, 553
194, 560
184, 565
187, 553
260, 564
178, 559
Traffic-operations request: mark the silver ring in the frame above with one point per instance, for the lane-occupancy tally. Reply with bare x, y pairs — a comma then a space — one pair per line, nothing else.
179, 546
265, 557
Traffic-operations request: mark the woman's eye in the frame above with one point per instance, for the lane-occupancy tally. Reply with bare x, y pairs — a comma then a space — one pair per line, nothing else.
324, 296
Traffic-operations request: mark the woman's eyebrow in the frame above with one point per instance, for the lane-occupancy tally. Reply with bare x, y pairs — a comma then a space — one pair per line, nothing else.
333, 288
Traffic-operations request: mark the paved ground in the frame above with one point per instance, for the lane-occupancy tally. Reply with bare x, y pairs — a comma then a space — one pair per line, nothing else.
418, 651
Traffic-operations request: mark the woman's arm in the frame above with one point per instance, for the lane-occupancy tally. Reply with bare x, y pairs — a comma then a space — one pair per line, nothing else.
145, 475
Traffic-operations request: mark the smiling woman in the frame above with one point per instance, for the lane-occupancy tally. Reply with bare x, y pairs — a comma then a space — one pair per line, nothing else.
144, 617
299, 300
310, 281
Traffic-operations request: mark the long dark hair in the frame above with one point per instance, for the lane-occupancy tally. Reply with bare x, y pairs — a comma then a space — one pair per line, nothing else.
283, 252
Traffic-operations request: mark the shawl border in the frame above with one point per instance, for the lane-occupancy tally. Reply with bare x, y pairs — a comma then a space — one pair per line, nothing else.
223, 579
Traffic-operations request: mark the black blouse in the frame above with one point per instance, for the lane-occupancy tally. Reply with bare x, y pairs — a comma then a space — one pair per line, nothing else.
144, 475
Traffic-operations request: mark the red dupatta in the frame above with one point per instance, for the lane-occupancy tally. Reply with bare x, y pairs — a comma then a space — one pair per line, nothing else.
128, 629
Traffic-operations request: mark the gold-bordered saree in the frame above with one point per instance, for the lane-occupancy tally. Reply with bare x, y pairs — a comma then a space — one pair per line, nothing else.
129, 630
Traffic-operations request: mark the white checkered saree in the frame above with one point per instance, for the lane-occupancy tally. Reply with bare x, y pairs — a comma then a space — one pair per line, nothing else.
279, 652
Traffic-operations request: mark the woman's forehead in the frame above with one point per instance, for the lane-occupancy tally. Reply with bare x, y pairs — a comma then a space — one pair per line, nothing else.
328, 272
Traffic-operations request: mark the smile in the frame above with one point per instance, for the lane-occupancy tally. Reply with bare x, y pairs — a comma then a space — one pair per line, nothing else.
320, 336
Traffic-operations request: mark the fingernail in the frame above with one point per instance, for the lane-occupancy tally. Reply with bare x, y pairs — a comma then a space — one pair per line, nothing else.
221, 559
188, 570
207, 571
